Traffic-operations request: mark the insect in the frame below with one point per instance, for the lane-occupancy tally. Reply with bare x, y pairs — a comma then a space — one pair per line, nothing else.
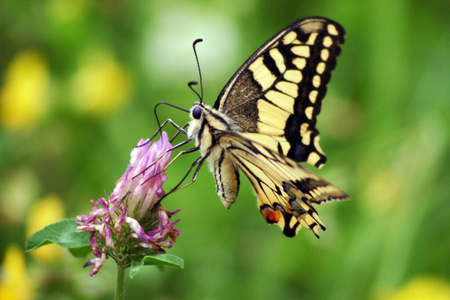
264, 124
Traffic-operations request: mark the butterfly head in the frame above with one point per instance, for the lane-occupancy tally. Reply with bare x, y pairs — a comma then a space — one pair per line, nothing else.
197, 116
196, 112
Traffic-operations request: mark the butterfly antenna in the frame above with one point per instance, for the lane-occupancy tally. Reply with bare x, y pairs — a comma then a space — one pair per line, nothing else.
190, 84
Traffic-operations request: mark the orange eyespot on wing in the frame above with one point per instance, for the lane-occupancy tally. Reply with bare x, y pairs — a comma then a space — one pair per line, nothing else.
282, 220
271, 216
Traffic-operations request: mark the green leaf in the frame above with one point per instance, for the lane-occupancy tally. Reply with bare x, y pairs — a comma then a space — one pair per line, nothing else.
80, 252
164, 260
62, 233
159, 260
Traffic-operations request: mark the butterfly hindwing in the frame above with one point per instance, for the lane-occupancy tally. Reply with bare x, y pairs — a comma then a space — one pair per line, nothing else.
285, 190
279, 89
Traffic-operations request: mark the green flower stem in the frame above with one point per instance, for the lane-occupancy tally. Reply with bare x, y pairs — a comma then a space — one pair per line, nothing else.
120, 283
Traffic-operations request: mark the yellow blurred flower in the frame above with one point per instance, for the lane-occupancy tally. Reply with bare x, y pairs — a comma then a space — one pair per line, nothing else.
423, 288
101, 85
18, 190
383, 190
63, 10
24, 95
46, 211
14, 281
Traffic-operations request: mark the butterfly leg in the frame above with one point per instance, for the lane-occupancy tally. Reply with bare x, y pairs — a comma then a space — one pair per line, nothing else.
164, 153
181, 153
177, 127
180, 129
173, 160
199, 162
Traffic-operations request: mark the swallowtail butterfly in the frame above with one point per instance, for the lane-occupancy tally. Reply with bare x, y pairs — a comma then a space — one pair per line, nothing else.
264, 124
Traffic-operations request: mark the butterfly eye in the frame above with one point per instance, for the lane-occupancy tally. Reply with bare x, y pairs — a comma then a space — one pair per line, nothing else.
196, 112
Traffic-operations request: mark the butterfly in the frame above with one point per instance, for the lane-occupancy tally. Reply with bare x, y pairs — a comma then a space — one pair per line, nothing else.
264, 124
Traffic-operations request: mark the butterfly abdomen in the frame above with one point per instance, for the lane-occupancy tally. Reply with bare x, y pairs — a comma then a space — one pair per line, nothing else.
226, 176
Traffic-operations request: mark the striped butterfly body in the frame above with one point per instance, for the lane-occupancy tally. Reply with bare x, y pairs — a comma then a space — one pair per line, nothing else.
264, 123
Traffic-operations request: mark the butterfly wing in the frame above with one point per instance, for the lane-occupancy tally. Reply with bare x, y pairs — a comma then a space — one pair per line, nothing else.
285, 190
279, 90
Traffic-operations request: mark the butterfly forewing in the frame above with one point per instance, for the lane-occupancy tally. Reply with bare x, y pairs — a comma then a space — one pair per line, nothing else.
279, 89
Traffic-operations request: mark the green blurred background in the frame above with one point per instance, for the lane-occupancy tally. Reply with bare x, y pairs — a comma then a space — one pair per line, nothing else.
79, 81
